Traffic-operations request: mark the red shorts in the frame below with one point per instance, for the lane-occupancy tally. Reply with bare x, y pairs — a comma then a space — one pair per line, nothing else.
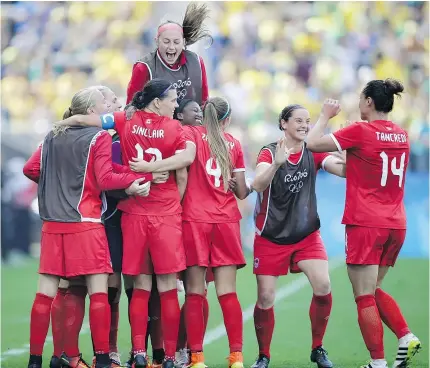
275, 260
213, 245
152, 244
373, 246
75, 254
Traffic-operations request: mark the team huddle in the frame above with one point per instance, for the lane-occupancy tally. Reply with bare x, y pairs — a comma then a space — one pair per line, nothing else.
146, 196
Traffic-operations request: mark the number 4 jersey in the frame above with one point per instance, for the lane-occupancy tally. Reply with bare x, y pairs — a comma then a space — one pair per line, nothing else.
377, 158
150, 136
205, 199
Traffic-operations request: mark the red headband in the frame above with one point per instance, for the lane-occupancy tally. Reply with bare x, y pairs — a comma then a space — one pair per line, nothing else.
168, 26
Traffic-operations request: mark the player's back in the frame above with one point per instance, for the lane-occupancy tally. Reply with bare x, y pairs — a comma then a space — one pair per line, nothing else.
150, 136
375, 174
205, 199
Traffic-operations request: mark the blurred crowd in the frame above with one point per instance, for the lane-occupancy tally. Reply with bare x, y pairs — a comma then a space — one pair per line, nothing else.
264, 56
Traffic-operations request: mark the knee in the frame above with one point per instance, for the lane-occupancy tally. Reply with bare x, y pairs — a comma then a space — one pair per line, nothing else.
321, 287
266, 298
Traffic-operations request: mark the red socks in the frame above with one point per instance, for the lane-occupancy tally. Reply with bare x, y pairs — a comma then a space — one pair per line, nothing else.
206, 310
319, 313
170, 316
370, 325
233, 320
155, 327
139, 319
391, 314
39, 323
100, 322
57, 321
74, 311
195, 321
264, 323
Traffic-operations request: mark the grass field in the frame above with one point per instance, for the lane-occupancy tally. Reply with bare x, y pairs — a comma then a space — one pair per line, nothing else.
408, 283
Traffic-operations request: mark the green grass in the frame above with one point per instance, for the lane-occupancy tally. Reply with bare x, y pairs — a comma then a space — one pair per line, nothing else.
408, 283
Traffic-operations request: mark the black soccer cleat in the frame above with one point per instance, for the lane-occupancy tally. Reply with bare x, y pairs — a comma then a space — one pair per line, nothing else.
168, 363
35, 361
320, 356
140, 361
261, 362
158, 356
129, 363
55, 362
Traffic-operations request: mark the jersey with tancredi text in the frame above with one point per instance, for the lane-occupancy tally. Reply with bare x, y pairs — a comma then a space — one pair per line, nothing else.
150, 136
205, 199
377, 159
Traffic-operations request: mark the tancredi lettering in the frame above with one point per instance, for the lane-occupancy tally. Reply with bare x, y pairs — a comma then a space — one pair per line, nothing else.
149, 133
391, 137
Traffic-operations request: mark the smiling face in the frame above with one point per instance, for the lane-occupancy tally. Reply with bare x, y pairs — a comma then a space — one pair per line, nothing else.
170, 45
191, 114
166, 105
297, 125
112, 100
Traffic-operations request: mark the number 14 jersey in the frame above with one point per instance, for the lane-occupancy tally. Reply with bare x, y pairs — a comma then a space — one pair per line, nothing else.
205, 199
377, 159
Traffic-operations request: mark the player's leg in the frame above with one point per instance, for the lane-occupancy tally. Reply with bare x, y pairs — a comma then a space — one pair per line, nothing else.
182, 353
51, 268
389, 310
155, 326
209, 278
311, 258
226, 257
128, 287
363, 255
58, 321
168, 258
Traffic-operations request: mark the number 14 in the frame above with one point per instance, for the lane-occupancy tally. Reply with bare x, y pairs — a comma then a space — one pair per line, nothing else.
396, 171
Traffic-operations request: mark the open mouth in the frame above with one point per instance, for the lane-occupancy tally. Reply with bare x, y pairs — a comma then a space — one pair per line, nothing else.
170, 56
302, 131
198, 120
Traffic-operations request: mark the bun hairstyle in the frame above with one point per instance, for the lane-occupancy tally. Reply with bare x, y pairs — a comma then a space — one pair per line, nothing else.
216, 110
287, 112
382, 93
192, 26
155, 88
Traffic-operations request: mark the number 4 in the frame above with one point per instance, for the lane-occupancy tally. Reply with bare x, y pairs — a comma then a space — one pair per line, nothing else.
396, 171
216, 172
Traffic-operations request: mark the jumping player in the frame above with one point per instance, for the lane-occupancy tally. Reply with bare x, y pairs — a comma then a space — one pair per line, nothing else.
287, 236
375, 218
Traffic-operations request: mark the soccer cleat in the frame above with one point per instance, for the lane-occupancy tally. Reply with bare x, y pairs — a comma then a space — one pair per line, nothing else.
34, 365
115, 359
372, 364
168, 363
320, 356
182, 358
409, 345
35, 361
140, 361
197, 360
235, 360
129, 363
74, 362
261, 362
55, 362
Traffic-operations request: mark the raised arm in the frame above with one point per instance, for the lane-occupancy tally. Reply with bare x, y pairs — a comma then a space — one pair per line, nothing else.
335, 165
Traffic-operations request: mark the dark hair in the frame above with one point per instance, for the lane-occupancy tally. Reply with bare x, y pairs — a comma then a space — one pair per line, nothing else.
192, 25
155, 88
181, 107
382, 93
287, 112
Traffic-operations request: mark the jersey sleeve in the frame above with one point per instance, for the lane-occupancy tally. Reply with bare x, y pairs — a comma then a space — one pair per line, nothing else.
265, 157
139, 76
32, 167
205, 87
115, 120
181, 140
320, 159
349, 137
190, 136
239, 164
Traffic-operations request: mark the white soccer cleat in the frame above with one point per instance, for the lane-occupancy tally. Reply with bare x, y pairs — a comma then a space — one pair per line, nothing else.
378, 363
409, 345
182, 358
115, 359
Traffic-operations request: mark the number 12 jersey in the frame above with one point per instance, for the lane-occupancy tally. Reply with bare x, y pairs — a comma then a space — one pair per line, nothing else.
205, 199
377, 159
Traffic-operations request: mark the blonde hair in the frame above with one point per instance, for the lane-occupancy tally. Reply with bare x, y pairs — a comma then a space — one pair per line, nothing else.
81, 102
216, 110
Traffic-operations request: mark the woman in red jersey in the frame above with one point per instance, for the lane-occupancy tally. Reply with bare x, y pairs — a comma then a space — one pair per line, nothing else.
72, 167
287, 228
152, 229
375, 218
172, 61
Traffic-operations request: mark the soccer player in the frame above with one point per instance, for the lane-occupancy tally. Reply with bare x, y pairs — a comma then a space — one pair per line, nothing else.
171, 60
73, 166
375, 218
287, 228
152, 229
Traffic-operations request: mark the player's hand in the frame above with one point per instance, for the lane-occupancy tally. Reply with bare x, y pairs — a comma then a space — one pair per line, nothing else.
159, 178
129, 112
139, 165
330, 108
282, 152
136, 188
232, 183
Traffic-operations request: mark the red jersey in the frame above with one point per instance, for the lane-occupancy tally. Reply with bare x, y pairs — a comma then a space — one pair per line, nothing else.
148, 136
205, 199
377, 158
265, 157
